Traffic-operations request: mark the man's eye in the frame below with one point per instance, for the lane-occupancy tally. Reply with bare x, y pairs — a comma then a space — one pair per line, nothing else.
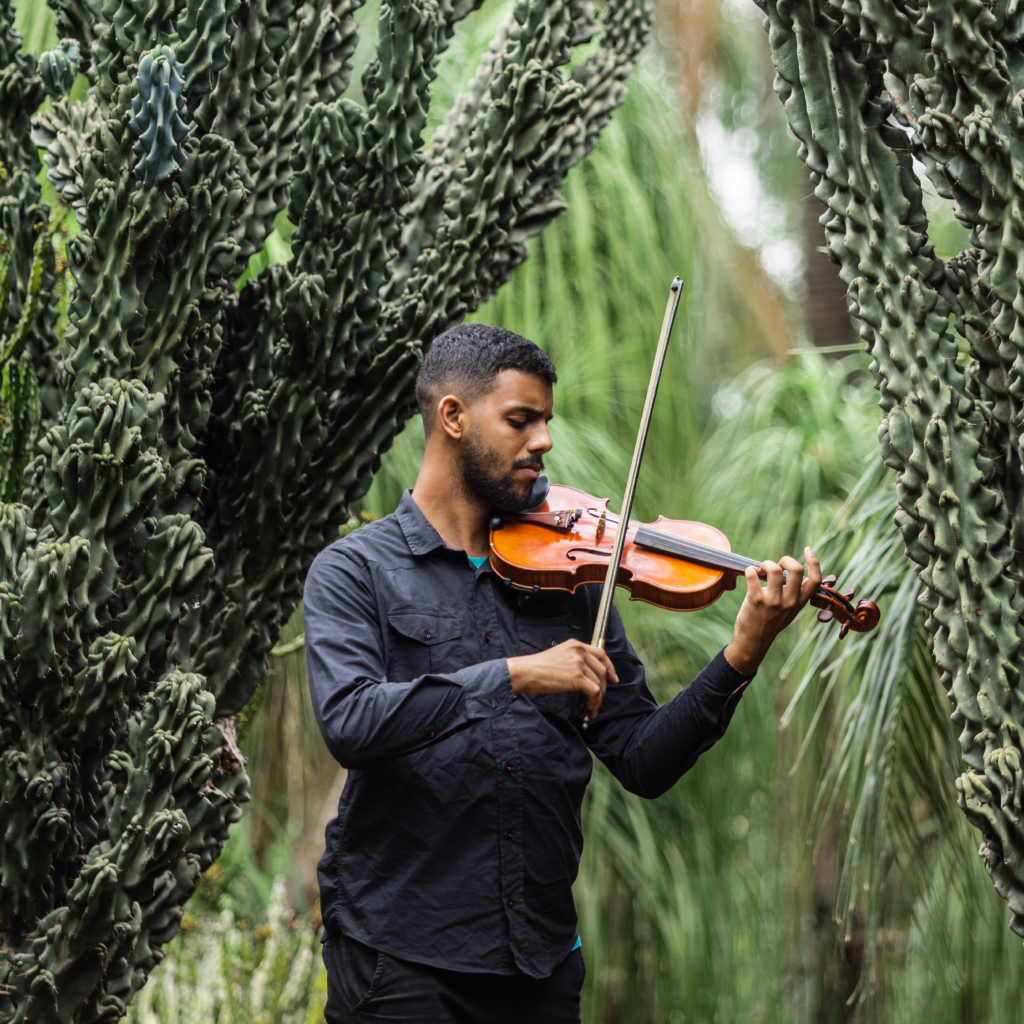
518, 424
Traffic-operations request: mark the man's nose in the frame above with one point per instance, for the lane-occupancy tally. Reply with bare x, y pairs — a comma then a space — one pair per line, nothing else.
541, 442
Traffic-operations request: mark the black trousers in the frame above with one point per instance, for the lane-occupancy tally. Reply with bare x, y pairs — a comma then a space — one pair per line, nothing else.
365, 986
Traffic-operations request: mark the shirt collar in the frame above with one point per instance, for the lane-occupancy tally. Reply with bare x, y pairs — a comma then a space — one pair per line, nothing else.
421, 537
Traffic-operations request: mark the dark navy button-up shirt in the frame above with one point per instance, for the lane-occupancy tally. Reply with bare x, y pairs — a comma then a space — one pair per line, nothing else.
458, 834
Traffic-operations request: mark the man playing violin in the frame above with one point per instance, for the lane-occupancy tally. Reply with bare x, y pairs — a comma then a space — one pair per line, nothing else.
458, 706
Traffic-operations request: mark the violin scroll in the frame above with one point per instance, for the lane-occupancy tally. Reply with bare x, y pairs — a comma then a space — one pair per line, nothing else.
861, 619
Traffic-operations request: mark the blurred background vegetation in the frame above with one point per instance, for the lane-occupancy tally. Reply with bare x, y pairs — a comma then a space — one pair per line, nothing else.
813, 867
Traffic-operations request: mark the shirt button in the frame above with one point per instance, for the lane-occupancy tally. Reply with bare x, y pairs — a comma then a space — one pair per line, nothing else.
554, 643
487, 637
508, 767
509, 834
511, 903
426, 635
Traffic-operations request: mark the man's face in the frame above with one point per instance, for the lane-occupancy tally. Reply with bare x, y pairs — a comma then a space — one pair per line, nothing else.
501, 454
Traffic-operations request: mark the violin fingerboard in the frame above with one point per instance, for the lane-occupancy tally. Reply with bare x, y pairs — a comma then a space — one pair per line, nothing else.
691, 550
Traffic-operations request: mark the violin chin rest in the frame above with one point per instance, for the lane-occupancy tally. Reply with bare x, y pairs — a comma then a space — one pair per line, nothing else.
538, 492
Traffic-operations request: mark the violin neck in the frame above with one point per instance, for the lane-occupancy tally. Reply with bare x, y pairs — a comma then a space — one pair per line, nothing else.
692, 551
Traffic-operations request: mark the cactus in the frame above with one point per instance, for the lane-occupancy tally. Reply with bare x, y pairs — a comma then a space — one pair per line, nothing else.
204, 444
158, 108
59, 67
869, 88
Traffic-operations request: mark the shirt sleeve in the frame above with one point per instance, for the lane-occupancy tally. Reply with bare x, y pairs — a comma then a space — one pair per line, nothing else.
366, 718
649, 748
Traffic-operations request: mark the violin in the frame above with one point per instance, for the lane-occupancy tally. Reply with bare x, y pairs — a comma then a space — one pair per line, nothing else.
568, 538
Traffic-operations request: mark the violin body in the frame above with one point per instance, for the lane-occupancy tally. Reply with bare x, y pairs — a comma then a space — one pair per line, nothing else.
567, 540
537, 552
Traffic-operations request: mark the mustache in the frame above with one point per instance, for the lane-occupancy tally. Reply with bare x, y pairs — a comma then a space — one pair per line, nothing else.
529, 462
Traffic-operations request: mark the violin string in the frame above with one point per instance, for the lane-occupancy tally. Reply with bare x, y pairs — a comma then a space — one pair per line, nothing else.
693, 551
672, 544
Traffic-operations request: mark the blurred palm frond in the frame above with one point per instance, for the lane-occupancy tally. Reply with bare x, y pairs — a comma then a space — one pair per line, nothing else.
891, 751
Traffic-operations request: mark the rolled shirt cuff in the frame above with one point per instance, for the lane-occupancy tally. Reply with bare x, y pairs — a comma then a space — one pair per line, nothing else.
487, 688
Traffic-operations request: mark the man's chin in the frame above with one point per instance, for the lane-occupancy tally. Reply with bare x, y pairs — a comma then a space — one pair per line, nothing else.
511, 501
507, 493
513, 496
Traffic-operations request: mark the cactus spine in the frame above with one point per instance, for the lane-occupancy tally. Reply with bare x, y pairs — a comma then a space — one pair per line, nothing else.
203, 445
868, 88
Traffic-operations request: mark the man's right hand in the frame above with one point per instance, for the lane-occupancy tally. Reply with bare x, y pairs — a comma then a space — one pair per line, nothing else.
567, 667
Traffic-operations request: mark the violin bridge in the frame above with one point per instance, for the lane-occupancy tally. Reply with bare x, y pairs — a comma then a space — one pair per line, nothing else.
601, 523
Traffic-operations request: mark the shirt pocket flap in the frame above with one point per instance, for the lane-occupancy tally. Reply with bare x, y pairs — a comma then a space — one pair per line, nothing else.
426, 627
542, 633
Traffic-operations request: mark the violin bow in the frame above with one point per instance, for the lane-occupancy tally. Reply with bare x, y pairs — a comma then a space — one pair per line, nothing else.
604, 609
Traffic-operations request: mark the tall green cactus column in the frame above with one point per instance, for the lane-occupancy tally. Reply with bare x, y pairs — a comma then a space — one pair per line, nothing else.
868, 88
190, 449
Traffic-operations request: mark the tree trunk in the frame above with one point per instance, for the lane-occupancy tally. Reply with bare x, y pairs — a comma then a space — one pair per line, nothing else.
826, 317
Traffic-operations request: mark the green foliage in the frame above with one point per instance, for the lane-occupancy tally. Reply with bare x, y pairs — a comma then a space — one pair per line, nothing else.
886, 795
800, 437
203, 445
867, 91
232, 970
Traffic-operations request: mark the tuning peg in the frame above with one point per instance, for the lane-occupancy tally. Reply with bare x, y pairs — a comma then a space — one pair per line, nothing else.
849, 595
825, 615
828, 581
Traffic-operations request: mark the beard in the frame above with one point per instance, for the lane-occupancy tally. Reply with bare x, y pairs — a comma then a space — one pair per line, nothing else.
483, 476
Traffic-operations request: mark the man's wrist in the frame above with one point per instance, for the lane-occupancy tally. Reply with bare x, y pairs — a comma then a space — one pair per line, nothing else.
517, 673
741, 658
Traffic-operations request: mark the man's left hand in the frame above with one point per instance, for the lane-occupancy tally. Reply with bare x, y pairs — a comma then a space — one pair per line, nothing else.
767, 611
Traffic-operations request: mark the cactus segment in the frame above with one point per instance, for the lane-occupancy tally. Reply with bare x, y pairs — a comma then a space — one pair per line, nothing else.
81, 20
204, 29
62, 132
158, 107
59, 67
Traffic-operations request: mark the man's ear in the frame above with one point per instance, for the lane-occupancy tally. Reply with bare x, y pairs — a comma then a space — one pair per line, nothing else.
453, 416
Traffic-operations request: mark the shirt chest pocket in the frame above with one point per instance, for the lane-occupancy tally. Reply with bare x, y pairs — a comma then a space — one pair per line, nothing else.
539, 633
423, 641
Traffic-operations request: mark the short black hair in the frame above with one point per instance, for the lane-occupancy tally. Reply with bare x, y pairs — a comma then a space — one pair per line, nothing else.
466, 359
